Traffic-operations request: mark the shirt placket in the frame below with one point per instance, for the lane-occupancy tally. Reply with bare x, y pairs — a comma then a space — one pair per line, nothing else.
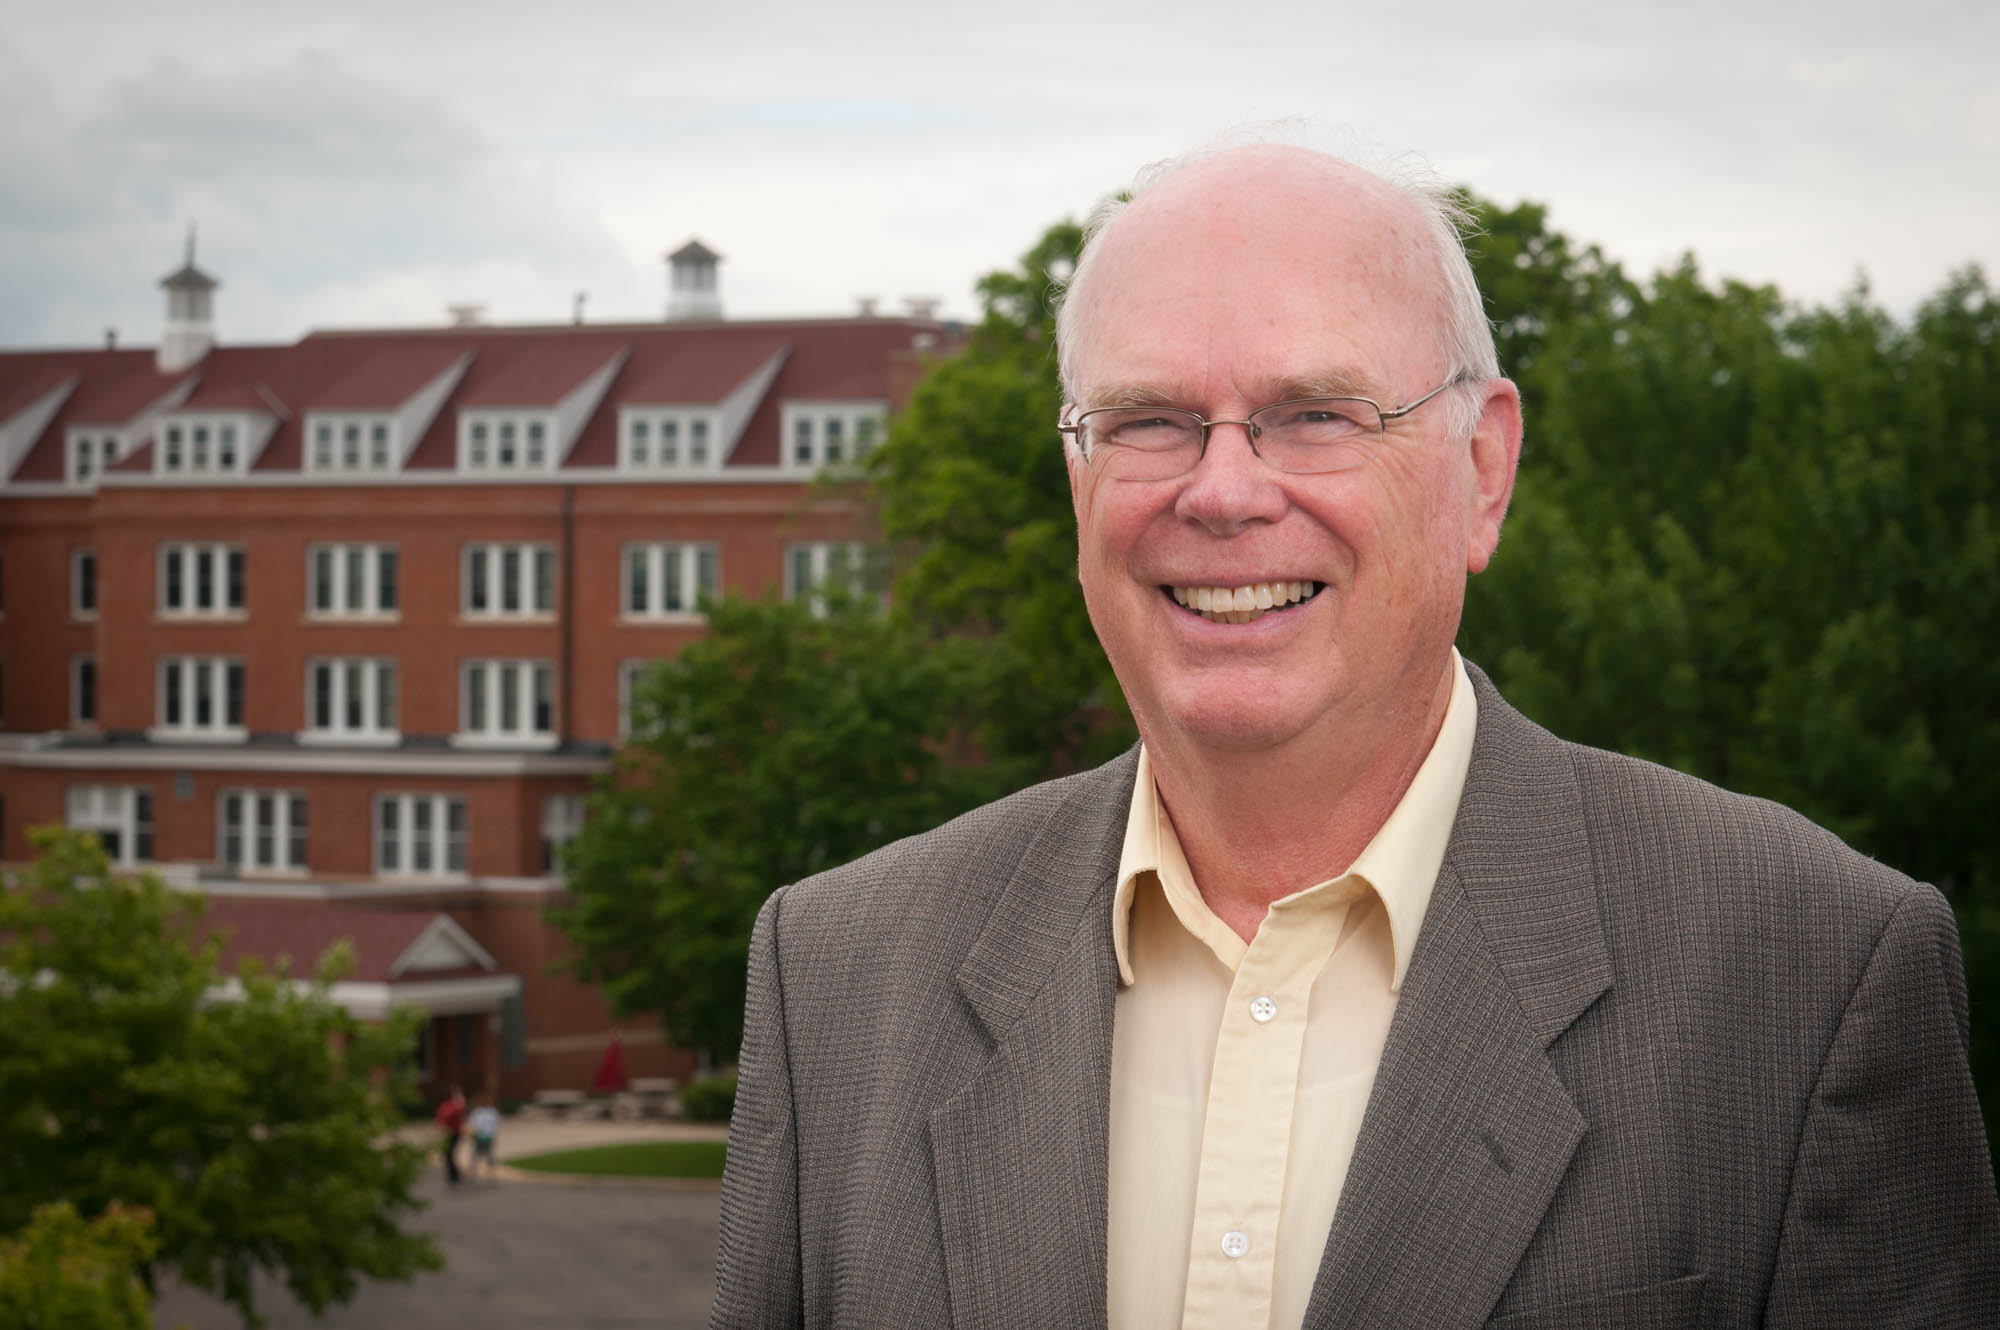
1246, 1134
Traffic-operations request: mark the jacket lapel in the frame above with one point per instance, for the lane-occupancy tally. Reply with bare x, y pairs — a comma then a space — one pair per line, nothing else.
1468, 1130
1021, 1153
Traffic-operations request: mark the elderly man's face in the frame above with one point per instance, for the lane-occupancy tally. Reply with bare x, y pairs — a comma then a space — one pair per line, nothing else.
1246, 280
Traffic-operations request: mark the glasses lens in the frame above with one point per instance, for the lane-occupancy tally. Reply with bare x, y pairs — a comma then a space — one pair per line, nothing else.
1319, 433
1135, 443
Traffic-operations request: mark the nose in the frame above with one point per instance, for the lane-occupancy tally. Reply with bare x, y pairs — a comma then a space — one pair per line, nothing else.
1231, 486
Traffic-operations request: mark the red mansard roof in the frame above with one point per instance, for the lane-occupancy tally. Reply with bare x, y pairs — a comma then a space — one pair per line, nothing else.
666, 363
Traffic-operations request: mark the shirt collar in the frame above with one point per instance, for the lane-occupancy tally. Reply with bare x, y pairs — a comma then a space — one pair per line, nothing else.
1400, 864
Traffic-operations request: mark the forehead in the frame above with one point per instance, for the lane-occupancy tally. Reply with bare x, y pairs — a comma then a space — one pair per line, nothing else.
1254, 271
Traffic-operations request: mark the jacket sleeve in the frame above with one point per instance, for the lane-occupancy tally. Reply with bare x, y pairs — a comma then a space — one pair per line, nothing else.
757, 1281
1891, 1218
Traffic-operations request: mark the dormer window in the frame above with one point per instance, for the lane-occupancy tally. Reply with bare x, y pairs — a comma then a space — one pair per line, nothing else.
658, 439
91, 453
360, 444
821, 434
506, 441
204, 446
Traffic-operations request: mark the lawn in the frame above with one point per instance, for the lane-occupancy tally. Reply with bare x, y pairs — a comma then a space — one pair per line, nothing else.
640, 1159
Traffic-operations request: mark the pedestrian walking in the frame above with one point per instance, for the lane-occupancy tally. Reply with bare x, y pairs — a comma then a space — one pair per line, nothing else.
485, 1131
451, 1123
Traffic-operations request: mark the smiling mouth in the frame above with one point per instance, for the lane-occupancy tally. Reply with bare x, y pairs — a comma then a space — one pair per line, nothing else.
1220, 604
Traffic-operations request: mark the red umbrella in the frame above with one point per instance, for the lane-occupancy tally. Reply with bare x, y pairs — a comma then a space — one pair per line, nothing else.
610, 1078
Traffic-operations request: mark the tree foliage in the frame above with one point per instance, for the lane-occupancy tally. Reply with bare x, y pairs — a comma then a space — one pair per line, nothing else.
784, 742
65, 1273
250, 1120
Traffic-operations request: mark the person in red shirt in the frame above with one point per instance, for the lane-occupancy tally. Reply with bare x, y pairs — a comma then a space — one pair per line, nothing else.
451, 1121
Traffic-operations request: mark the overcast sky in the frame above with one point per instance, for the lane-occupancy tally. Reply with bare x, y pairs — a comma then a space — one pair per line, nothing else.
366, 163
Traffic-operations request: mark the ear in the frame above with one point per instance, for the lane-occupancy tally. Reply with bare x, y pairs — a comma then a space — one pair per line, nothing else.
1493, 452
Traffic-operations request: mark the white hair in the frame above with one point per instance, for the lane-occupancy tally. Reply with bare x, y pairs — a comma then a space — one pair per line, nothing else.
1446, 220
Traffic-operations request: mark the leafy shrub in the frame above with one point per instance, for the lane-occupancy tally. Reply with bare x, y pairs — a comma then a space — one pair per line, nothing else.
710, 1099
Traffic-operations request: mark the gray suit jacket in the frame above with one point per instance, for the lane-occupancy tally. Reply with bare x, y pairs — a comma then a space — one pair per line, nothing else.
1665, 1056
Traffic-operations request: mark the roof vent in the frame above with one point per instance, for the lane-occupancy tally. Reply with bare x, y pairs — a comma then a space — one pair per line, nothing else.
692, 289
922, 307
865, 306
469, 315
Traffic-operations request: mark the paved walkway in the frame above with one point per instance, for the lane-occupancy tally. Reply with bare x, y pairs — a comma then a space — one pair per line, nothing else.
531, 1251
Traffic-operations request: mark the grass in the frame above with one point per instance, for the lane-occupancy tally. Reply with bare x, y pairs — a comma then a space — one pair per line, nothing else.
641, 1159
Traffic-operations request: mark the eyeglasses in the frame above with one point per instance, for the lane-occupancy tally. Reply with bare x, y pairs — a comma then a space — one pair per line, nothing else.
1306, 436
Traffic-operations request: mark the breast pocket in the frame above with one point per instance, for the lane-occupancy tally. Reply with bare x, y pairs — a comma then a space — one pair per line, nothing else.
1665, 1306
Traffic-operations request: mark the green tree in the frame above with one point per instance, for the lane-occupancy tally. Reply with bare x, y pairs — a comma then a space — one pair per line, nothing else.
253, 1121
972, 494
63, 1273
782, 743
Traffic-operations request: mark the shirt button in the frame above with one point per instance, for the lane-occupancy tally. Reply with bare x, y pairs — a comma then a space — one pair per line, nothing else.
1263, 1010
1235, 1243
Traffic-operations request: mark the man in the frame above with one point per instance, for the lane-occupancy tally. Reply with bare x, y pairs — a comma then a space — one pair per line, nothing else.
1352, 998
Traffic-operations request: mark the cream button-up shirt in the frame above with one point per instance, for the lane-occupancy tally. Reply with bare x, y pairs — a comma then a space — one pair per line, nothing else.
1240, 1071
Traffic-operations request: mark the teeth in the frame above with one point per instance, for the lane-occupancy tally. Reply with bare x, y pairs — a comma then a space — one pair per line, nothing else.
1244, 603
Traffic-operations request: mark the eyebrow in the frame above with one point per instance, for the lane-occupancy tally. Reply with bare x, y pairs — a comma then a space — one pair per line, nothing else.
1331, 383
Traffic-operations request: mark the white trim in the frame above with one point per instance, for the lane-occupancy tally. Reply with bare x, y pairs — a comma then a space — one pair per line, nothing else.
326, 760
567, 475
374, 1001
447, 929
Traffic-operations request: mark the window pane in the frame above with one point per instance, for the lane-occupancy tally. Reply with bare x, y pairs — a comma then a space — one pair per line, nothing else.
476, 599
142, 825
267, 831
544, 699
357, 580
322, 697
385, 578
510, 697
834, 441
232, 829
170, 693
707, 571
388, 841
295, 849
475, 697
354, 711
235, 579
670, 443
801, 563
86, 581
174, 593
233, 710
637, 599
385, 697
510, 579
204, 577
802, 441
670, 580
204, 694
454, 849
545, 581
378, 448
698, 443
322, 579
420, 834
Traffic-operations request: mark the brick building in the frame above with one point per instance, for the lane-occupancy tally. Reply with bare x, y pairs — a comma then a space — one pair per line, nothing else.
341, 631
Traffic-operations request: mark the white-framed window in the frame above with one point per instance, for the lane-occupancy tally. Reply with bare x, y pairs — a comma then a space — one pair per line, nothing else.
201, 581
90, 454
667, 580
346, 581
630, 674
506, 441
420, 835
261, 831
816, 567
819, 434
351, 699
200, 696
82, 691
506, 700
357, 444
83, 584
121, 815
656, 439
562, 818
194, 445
508, 581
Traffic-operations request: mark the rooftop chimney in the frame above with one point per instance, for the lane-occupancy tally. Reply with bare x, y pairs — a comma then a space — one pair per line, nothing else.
867, 306
468, 315
190, 315
110, 339
921, 307
576, 307
692, 292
